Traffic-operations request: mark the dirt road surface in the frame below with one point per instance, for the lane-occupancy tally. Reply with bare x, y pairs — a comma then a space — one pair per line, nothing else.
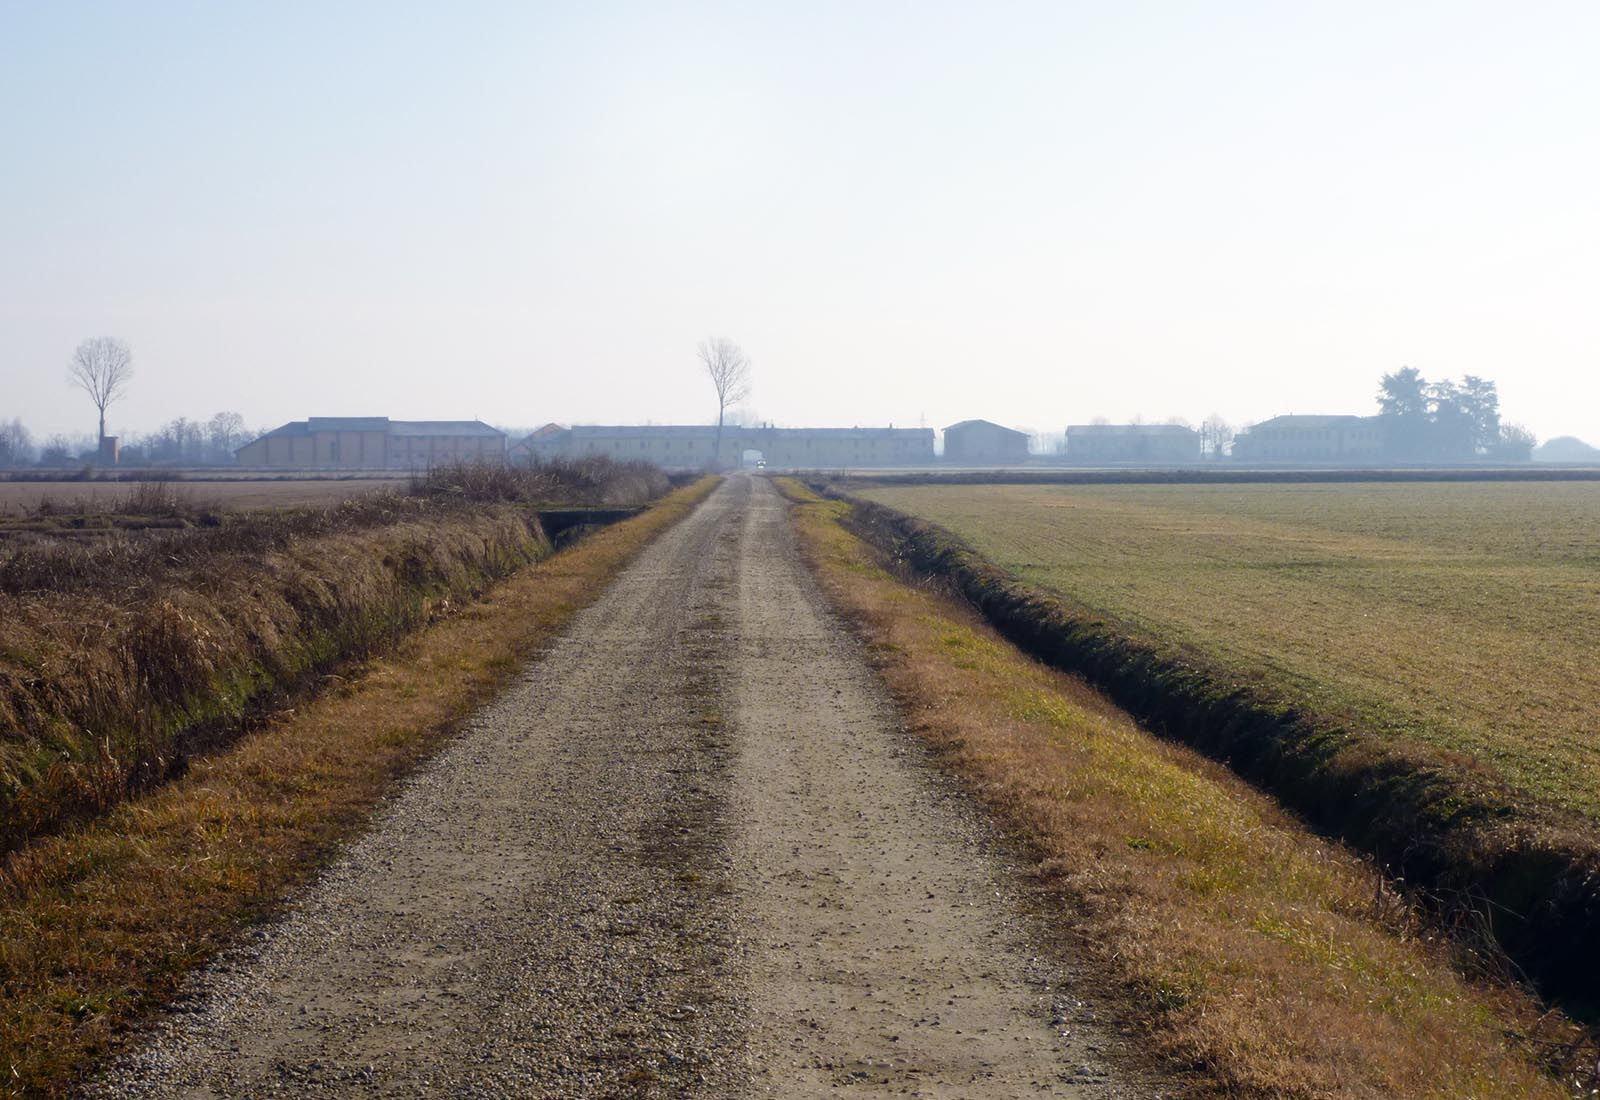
690, 853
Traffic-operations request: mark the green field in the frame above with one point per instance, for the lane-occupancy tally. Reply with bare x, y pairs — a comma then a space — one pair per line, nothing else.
1465, 617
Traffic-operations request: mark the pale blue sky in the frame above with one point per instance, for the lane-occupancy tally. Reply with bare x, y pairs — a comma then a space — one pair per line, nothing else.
1032, 212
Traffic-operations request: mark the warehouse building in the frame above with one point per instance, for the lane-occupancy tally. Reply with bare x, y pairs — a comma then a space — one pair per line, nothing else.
1312, 439
677, 446
1143, 444
373, 443
984, 443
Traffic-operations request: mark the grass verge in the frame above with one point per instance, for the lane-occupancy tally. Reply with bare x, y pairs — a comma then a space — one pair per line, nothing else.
101, 924
1272, 962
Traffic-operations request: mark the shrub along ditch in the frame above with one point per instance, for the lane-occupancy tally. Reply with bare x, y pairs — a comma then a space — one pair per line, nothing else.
1527, 879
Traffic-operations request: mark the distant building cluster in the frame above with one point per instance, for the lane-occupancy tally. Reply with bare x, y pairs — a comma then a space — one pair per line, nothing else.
376, 442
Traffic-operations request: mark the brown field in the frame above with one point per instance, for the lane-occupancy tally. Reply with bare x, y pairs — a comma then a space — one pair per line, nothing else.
1457, 616
26, 496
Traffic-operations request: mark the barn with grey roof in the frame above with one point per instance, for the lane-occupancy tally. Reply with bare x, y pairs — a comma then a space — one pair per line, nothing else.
373, 443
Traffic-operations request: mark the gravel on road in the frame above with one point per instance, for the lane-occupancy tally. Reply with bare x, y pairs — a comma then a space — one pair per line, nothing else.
690, 853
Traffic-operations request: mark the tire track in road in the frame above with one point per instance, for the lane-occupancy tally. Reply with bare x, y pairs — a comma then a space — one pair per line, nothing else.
690, 853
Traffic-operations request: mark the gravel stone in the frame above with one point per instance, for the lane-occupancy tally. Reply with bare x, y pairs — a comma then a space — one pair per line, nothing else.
690, 853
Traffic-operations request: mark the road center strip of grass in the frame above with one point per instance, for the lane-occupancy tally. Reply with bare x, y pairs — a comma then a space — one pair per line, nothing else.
1273, 962
100, 925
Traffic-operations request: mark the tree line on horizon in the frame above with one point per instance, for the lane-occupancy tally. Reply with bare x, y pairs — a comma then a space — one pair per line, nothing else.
179, 442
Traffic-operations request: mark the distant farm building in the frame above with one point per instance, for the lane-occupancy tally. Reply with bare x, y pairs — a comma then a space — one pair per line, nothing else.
374, 442
1566, 448
692, 446
983, 443
1312, 439
1136, 443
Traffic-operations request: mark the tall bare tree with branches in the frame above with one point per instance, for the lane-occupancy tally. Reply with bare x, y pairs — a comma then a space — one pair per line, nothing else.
101, 367
729, 368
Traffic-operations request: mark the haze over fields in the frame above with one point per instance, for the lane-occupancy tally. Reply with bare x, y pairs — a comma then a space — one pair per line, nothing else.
905, 212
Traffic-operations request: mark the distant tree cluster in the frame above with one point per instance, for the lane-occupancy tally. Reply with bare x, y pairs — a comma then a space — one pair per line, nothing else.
16, 444
102, 367
179, 442
185, 442
1447, 420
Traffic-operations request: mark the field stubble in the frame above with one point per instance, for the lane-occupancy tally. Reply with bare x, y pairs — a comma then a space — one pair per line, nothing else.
1275, 962
1402, 664
19, 499
1462, 616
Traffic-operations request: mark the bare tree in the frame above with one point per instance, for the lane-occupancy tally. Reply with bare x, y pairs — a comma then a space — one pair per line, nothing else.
1215, 435
222, 430
729, 368
101, 367
16, 444
1515, 444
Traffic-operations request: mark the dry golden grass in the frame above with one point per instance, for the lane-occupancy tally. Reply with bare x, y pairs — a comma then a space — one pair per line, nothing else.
91, 496
99, 925
123, 655
1276, 964
108, 685
1459, 617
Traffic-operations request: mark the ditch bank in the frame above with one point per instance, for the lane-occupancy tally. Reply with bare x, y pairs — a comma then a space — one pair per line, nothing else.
109, 684
1511, 878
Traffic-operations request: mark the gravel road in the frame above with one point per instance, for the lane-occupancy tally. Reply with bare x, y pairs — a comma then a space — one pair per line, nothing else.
690, 853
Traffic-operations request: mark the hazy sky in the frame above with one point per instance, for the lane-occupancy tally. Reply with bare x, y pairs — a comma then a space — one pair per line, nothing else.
905, 212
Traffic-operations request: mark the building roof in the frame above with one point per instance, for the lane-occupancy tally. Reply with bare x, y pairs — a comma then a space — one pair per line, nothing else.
653, 430
299, 429
1294, 420
1130, 429
293, 428
551, 433
348, 423
443, 427
964, 424
862, 433
703, 431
